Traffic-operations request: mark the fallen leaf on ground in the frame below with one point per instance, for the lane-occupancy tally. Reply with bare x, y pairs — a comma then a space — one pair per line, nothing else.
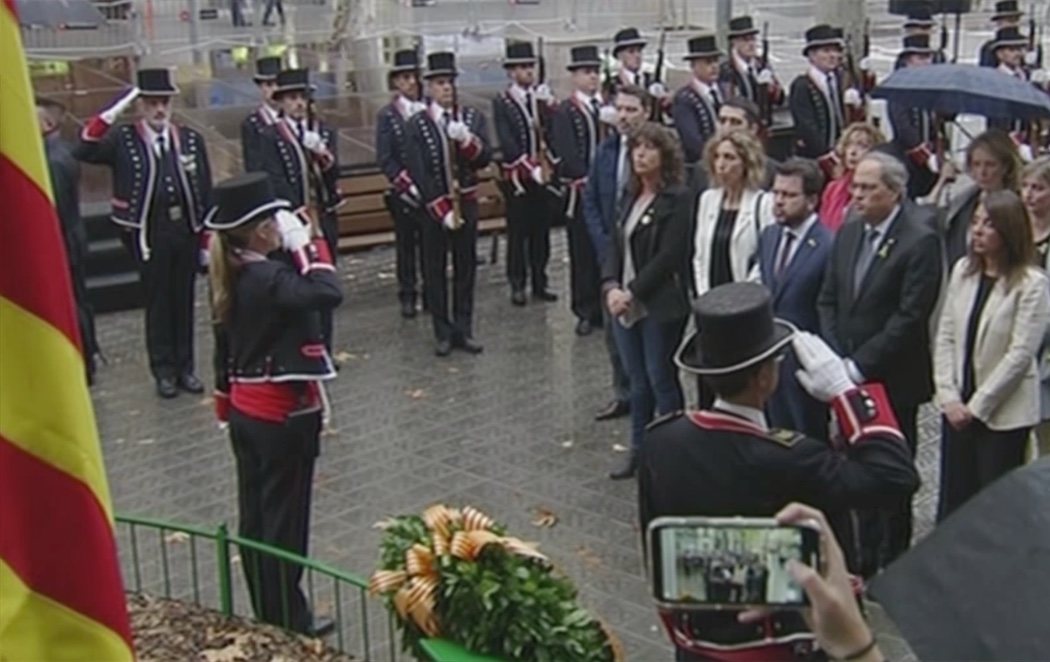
416, 394
176, 537
567, 444
620, 448
147, 441
343, 357
544, 519
588, 556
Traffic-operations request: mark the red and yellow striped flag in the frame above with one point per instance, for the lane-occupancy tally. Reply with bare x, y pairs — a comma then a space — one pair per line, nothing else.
61, 595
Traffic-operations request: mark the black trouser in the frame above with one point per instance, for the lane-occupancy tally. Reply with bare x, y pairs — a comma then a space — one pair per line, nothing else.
621, 382
270, 6
528, 237
584, 277
408, 234
85, 311
330, 231
973, 458
456, 323
168, 279
275, 465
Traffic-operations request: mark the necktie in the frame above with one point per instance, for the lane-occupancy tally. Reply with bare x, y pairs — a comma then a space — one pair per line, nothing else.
595, 108
749, 82
621, 173
716, 99
836, 101
528, 103
865, 257
446, 118
300, 131
785, 252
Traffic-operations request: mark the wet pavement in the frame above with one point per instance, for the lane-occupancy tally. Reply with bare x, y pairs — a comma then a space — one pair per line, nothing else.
510, 431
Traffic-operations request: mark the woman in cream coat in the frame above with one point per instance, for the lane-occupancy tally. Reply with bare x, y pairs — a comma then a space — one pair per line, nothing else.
991, 328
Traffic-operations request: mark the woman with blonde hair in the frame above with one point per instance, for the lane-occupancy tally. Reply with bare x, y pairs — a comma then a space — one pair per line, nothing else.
1035, 193
992, 325
857, 140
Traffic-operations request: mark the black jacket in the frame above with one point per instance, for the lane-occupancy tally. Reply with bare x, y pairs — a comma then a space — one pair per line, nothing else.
815, 130
252, 135
65, 185
885, 329
575, 135
290, 165
660, 250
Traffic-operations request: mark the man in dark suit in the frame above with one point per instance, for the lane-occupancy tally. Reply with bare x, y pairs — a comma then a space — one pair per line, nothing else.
1007, 15
792, 256
880, 288
602, 198
161, 192
914, 131
267, 114
695, 106
817, 99
403, 198
65, 186
920, 23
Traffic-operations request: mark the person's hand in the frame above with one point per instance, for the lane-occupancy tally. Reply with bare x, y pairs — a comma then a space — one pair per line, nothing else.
657, 90
1031, 58
608, 115
536, 173
1040, 76
110, 114
416, 107
617, 301
823, 374
449, 220
458, 131
932, 164
865, 64
313, 142
764, 77
413, 192
543, 93
959, 415
852, 97
294, 235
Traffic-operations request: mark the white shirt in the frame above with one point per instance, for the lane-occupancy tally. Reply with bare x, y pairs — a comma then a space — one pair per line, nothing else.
631, 77
883, 227
298, 127
622, 167
269, 113
820, 78
749, 414
798, 233
742, 65
586, 100
1009, 71
152, 135
708, 92
404, 105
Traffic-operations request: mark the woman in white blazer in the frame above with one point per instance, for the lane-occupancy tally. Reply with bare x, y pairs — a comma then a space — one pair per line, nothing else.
985, 359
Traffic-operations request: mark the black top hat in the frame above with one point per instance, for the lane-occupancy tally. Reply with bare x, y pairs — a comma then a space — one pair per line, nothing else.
519, 52
267, 68
293, 80
741, 26
441, 64
1007, 9
823, 35
241, 200
919, 16
702, 47
626, 38
736, 329
405, 60
156, 83
917, 43
1010, 36
584, 56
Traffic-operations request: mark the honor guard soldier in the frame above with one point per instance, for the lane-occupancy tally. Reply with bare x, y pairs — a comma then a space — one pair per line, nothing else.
696, 105
914, 130
522, 114
267, 114
920, 23
403, 199
726, 462
161, 191
447, 145
744, 74
816, 98
628, 45
270, 363
580, 123
1009, 51
1007, 15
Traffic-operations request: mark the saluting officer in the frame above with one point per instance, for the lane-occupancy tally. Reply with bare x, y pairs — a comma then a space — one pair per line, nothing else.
816, 98
267, 114
447, 145
919, 23
161, 191
1007, 15
725, 461
270, 363
403, 199
914, 130
696, 104
744, 74
522, 115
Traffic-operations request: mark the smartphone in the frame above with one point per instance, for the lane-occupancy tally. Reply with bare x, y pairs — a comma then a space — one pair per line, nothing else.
728, 562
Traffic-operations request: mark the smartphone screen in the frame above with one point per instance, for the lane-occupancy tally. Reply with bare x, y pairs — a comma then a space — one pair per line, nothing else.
728, 562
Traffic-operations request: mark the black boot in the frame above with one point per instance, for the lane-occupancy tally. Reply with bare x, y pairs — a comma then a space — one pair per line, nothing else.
629, 468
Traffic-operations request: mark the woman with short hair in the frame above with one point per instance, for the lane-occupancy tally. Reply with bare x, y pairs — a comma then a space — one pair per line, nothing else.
855, 142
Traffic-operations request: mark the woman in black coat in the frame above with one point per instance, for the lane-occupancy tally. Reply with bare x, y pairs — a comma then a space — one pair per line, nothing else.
644, 279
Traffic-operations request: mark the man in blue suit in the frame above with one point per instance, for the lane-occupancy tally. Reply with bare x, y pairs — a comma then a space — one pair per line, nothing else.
606, 184
792, 255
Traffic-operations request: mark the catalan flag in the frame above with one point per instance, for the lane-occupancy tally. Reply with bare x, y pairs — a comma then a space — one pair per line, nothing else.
61, 596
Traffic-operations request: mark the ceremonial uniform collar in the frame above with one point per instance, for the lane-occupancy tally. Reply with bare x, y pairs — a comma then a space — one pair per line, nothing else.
403, 105
820, 78
518, 93
1010, 71
268, 114
294, 124
585, 100
749, 414
631, 77
741, 65
152, 134
437, 112
705, 90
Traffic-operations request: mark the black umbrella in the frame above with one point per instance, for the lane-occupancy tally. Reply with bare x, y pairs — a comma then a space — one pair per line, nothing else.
58, 13
950, 89
978, 587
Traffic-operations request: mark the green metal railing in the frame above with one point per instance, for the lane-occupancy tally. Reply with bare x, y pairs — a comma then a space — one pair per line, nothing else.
177, 561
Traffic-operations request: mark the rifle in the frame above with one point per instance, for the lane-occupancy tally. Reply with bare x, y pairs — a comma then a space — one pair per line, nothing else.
607, 74
1035, 42
324, 200
543, 154
944, 39
454, 168
762, 96
656, 112
419, 59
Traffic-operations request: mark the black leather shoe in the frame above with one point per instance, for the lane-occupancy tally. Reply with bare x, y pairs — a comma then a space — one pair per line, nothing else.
614, 409
469, 345
584, 328
545, 296
628, 470
408, 309
189, 383
321, 627
517, 297
443, 348
166, 388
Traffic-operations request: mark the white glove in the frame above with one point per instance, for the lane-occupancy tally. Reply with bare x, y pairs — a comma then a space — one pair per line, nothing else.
822, 375
543, 93
413, 191
1025, 152
657, 90
1031, 57
764, 77
449, 220
933, 165
458, 131
313, 141
852, 97
109, 115
416, 107
1040, 77
865, 64
537, 175
294, 235
608, 115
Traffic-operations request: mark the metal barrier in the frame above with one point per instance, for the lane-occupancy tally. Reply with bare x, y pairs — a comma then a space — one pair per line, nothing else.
178, 561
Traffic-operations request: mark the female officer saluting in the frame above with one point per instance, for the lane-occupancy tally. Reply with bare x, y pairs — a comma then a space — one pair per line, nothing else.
269, 363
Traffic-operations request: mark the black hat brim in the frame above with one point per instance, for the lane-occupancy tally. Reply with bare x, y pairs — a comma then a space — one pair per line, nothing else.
701, 55
264, 78
919, 23
1009, 14
265, 209
518, 61
593, 64
691, 359
437, 73
1005, 43
640, 43
405, 69
161, 92
743, 33
309, 89
840, 43
917, 51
